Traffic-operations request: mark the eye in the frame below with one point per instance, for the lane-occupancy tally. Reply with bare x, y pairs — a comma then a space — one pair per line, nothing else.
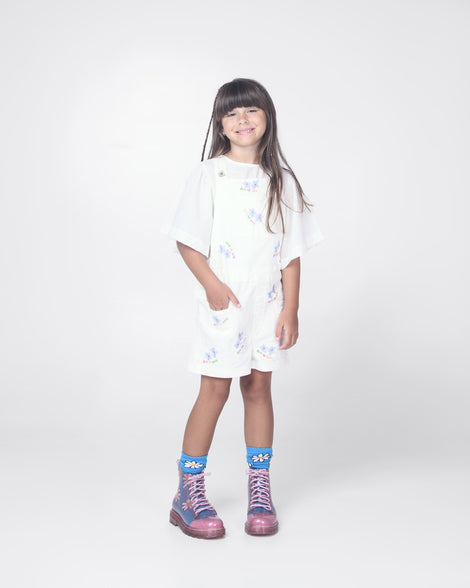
230, 114
252, 110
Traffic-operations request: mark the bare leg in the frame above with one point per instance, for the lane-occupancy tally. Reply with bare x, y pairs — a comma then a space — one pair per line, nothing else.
203, 419
259, 417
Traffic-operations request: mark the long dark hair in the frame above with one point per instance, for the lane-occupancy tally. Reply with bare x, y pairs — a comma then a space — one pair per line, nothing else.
243, 92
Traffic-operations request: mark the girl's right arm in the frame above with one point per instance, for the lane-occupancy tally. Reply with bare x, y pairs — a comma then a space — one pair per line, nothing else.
218, 294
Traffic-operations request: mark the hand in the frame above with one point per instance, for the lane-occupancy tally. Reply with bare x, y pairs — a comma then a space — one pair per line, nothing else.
219, 296
289, 323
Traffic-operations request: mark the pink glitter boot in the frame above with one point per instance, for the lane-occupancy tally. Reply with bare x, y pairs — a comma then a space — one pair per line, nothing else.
261, 512
192, 512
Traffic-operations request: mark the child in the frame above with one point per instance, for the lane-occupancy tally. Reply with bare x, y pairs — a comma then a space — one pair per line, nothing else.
241, 226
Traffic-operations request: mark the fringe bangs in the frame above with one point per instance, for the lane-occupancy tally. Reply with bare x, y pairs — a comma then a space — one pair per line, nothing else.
238, 94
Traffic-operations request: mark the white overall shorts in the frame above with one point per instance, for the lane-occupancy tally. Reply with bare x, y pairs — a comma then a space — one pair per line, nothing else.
245, 256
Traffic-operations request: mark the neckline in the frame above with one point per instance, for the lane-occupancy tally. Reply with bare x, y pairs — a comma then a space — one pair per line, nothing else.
240, 162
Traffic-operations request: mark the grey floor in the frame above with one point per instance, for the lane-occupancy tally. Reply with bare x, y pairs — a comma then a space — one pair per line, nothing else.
88, 510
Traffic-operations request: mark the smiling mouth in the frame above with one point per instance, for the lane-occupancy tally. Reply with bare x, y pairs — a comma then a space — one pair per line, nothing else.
245, 131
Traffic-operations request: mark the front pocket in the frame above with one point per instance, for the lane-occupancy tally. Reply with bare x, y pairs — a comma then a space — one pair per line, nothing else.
218, 318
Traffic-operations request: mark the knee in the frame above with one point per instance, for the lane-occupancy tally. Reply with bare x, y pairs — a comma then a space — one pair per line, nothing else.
217, 390
221, 395
255, 390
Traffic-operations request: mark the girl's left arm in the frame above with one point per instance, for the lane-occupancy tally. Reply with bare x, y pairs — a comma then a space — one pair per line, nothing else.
288, 320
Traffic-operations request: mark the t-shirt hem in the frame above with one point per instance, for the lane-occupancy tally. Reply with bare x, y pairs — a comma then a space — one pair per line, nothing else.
188, 240
299, 251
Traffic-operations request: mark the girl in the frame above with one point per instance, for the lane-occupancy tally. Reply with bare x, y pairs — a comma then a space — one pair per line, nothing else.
241, 226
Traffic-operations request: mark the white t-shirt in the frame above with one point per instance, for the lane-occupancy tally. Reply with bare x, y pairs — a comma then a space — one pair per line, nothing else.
193, 220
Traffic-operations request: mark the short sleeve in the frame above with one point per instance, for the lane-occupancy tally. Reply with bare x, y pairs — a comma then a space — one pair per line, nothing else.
192, 221
302, 231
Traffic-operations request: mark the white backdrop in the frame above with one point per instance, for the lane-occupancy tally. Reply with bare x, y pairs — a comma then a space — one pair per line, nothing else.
104, 110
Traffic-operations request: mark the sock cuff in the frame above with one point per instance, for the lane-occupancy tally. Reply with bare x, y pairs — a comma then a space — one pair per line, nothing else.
259, 457
192, 465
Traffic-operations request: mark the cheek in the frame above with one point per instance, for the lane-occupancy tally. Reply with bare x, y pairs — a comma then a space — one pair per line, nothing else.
262, 125
262, 122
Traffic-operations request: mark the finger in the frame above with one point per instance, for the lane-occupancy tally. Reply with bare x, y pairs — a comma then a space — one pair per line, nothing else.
289, 340
294, 338
278, 331
234, 299
218, 305
284, 339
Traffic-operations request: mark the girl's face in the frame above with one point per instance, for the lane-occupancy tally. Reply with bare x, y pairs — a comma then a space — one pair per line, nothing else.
244, 126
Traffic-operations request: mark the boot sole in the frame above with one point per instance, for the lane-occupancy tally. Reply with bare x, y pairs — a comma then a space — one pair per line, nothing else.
177, 520
261, 531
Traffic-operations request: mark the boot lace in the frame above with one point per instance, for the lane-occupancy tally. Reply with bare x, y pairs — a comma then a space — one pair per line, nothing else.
197, 494
260, 495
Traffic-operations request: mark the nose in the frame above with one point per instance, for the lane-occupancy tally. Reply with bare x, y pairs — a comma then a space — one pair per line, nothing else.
242, 118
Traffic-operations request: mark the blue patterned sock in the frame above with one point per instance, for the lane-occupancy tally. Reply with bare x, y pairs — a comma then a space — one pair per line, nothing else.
259, 457
192, 465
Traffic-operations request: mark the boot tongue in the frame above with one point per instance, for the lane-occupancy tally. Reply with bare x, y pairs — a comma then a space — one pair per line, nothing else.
198, 498
260, 500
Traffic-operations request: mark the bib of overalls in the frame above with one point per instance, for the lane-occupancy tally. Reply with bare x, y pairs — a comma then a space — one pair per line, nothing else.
242, 249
